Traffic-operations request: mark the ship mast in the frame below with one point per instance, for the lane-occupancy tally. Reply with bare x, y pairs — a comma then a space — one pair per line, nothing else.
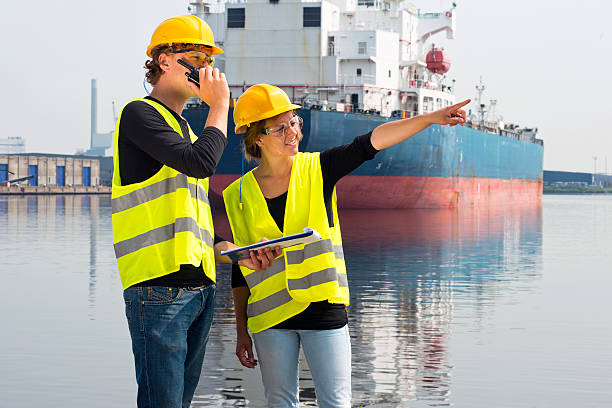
481, 106
199, 7
492, 115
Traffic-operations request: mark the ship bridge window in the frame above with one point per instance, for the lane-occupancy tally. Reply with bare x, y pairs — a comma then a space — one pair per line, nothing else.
330, 46
362, 47
235, 17
428, 104
312, 16
365, 3
358, 71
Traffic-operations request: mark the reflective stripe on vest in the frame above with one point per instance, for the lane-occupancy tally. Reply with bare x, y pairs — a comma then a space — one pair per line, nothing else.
269, 303
157, 190
318, 278
313, 249
161, 234
278, 267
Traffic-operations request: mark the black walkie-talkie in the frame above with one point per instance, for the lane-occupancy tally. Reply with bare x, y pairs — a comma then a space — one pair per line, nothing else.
193, 75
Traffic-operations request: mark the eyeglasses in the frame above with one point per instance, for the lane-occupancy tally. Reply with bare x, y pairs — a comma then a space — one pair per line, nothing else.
198, 59
295, 123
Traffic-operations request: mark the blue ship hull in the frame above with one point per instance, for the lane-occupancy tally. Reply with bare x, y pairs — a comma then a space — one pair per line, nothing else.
441, 166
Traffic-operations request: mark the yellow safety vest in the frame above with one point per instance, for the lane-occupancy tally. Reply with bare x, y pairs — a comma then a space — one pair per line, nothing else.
162, 222
305, 273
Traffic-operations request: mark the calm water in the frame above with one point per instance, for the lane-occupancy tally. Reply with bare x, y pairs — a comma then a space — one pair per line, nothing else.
488, 308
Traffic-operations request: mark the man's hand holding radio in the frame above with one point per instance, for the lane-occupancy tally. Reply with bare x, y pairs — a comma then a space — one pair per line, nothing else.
213, 88
215, 93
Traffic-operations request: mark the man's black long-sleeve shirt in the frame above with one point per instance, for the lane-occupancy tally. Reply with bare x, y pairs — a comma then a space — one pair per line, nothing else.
147, 143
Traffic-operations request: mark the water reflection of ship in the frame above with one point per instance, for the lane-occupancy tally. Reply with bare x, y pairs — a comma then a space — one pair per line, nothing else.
407, 271
411, 273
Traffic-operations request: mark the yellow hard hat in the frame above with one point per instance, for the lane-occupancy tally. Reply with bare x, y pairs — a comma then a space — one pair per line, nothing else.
187, 29
261, 101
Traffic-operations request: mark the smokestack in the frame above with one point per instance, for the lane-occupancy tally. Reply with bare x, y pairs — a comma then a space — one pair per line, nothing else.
94, 110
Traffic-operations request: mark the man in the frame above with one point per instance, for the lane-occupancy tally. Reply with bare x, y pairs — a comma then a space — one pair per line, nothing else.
162, 225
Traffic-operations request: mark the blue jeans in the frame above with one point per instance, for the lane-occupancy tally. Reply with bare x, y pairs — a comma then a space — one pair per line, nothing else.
169, 328
328, 353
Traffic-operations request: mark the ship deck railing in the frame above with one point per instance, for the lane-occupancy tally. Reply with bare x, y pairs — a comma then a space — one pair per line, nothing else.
429, 15
518, 136
363, 51
363, 79
422, 84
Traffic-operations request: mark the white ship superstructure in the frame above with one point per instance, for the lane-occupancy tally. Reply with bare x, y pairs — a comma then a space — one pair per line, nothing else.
354, 64
350, 55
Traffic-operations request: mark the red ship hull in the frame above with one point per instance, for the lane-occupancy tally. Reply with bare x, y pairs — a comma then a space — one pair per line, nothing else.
416, 192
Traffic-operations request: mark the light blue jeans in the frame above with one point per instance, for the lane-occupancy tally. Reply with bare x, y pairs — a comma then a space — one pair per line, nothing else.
328, 353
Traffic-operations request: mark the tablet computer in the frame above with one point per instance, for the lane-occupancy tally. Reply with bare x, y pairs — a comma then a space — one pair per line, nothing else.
309, 235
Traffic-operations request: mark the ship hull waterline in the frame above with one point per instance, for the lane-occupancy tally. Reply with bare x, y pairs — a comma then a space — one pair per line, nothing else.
372, 192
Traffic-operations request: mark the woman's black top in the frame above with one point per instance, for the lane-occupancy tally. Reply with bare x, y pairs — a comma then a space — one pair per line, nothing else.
146, 143
336, 163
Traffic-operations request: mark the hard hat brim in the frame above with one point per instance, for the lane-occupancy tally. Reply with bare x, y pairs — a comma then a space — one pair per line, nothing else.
243, 128
215, 50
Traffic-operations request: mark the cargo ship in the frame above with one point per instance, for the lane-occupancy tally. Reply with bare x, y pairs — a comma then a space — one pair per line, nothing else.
353, 65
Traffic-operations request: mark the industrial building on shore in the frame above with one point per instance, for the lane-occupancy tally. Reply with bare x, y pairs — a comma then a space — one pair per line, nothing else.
571, 178
43, 173
88, 171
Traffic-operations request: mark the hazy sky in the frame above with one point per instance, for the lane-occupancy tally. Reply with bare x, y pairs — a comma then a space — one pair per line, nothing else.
547, 65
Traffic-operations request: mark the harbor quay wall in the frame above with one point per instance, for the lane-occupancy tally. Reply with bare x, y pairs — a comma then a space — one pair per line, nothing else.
41, 190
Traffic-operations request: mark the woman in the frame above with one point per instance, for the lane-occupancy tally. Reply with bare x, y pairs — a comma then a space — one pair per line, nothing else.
301, 299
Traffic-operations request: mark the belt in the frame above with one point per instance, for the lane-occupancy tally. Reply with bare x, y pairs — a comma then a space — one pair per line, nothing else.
195, 287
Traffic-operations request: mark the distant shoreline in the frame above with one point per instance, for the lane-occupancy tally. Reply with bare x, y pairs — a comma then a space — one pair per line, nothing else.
576, 190
53, 190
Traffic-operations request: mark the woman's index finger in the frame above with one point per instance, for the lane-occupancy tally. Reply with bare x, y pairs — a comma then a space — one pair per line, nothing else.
461, 104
